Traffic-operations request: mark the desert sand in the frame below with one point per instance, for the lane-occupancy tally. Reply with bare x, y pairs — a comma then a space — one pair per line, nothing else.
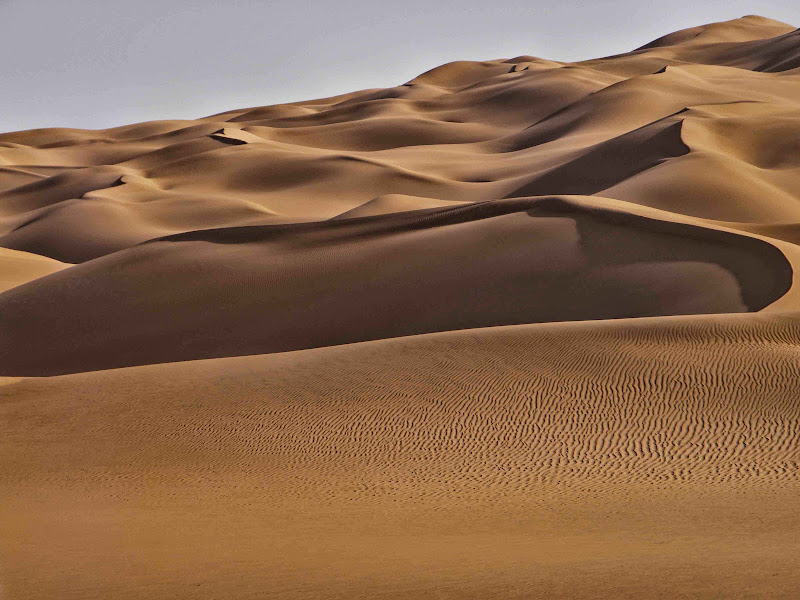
514, 329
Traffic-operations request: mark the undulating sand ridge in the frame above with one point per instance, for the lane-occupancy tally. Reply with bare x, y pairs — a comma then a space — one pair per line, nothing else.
517, 328
687, 125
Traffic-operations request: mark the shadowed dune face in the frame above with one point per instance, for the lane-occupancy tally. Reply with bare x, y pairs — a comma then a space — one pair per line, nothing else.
460, 331
253, 290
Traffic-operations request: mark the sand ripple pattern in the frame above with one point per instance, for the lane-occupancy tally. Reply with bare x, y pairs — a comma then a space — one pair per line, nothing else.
593, 408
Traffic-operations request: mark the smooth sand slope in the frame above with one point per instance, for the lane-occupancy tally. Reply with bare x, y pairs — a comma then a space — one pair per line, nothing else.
516, 328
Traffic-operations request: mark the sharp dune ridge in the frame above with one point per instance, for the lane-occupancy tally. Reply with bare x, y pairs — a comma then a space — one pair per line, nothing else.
516, 328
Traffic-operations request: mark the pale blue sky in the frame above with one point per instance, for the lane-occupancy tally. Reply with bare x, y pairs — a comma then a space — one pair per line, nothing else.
99, 63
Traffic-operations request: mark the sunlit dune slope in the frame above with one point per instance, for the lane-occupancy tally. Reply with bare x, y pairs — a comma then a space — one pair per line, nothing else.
702, 122
18, 267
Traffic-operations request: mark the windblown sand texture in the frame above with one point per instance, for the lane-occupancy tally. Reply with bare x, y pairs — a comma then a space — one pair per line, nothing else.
514, 329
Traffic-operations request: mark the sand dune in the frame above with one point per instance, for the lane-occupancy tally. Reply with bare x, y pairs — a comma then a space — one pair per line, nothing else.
235, 291
516, 328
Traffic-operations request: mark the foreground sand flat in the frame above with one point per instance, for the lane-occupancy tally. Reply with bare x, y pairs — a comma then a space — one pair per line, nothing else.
515, 329
643, 458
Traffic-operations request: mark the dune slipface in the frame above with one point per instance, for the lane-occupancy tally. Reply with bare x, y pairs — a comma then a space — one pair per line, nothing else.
516, 328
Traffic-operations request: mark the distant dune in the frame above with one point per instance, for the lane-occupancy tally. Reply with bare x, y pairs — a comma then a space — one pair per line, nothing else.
516, 329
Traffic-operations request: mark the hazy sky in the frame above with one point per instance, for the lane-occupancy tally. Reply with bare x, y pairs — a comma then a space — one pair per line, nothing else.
99, 63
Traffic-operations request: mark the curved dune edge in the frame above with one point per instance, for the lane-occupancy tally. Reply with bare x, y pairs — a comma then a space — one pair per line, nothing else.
254, 290
638, 457
788, 302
